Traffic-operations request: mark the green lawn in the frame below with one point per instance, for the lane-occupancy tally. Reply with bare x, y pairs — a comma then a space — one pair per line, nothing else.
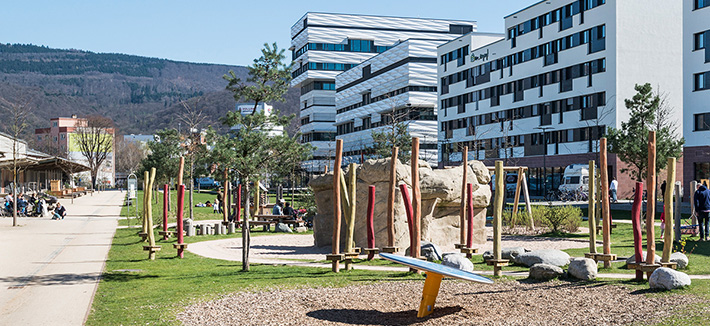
164, 286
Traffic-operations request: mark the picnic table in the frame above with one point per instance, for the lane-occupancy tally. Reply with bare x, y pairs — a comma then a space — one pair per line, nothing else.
286, 219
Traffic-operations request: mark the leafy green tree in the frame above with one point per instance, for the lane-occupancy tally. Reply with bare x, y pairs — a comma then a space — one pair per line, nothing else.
648, 112
268, 80
164, 155
250, 148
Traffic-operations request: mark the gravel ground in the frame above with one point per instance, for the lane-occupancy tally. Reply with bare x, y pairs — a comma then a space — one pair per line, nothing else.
459, 303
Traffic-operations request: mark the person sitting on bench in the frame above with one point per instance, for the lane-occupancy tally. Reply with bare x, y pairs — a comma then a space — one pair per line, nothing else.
59, 212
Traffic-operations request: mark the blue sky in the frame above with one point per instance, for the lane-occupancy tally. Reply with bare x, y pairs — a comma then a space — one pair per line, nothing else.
219, 31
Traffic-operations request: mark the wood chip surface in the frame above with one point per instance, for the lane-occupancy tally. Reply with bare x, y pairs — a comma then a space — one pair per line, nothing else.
459, 303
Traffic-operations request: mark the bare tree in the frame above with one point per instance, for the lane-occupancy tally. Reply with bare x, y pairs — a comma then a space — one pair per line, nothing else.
194, 143
394, 131
94, 140
128, 155
18, 114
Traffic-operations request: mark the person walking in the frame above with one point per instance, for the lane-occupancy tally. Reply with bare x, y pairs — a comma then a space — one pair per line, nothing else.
613, 188
663, 190
702, 210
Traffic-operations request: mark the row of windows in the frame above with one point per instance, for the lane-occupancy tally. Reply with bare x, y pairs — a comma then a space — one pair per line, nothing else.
458, 54
351, 46
367, 99
533, 139
563, 76
701, 4
702, 81
594, 37
322, 66
563, 15
702, 122
587, 104
402, 114
318, 136
317, 85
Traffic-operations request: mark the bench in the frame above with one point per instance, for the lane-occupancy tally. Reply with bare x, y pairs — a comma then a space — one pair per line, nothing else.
266, 224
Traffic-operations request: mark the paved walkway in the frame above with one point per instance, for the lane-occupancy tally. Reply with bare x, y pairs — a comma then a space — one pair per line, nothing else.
49, 269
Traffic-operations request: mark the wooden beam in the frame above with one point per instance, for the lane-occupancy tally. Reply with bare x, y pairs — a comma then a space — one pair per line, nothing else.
606, 223
336, 203
591, 209
668, 209
526, 197
651, 201
464, 181
181, 170
416, 199
390, 197
498, 214
350, 213
516, 200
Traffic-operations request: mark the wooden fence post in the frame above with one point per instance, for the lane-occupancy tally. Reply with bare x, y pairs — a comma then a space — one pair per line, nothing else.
416, 199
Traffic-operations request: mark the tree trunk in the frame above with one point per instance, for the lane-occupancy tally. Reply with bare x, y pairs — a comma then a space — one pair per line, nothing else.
14, 181
245, 229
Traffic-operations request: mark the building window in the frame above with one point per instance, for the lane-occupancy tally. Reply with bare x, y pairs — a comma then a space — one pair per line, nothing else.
701, 4
54, 123
63, 136
699, 41
702, 81
702, 122
55, 139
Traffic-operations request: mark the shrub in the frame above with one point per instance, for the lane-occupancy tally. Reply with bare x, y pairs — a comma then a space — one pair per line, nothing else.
562, 218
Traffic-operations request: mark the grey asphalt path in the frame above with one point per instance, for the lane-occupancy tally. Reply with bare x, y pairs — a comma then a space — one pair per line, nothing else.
49, 269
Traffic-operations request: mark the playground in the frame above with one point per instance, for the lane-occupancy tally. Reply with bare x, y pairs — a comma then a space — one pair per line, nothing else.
354, 270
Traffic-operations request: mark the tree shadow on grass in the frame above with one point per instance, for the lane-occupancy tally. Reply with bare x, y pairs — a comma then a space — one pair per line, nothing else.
374, 317
125, 276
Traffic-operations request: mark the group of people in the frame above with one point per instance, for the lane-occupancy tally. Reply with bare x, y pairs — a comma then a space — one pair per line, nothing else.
284, 208
38, 207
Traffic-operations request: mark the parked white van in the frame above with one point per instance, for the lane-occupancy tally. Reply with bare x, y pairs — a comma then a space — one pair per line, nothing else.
575, 177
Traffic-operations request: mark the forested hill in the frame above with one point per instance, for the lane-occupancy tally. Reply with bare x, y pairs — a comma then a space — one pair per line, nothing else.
140, 94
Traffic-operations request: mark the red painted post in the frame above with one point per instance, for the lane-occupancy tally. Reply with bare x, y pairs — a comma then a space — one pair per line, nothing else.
410, 219
371, 221
239, 203
165, 212
636, 221
469, 213
180, 209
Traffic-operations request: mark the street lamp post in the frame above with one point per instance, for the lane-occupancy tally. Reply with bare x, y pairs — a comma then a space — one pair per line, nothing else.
544, 158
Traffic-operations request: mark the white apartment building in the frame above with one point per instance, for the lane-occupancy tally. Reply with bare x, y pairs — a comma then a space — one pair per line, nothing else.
544, 94
397, 86
696, 90
324, 45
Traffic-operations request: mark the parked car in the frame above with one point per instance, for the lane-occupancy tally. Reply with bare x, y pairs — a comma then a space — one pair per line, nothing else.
206, 183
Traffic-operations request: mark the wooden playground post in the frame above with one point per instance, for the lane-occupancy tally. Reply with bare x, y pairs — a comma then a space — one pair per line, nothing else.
636, 224
151, 247
165, 233
668, 209
257, 197
350, 215
591, 209
335, 257
464, 203
526, 196
651, 203
180, 245
497, 261
678, 198
469, 209
607, 257
390, 248
371, 249
410, 216
181, 170
416, 199
516, 200
225, 195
